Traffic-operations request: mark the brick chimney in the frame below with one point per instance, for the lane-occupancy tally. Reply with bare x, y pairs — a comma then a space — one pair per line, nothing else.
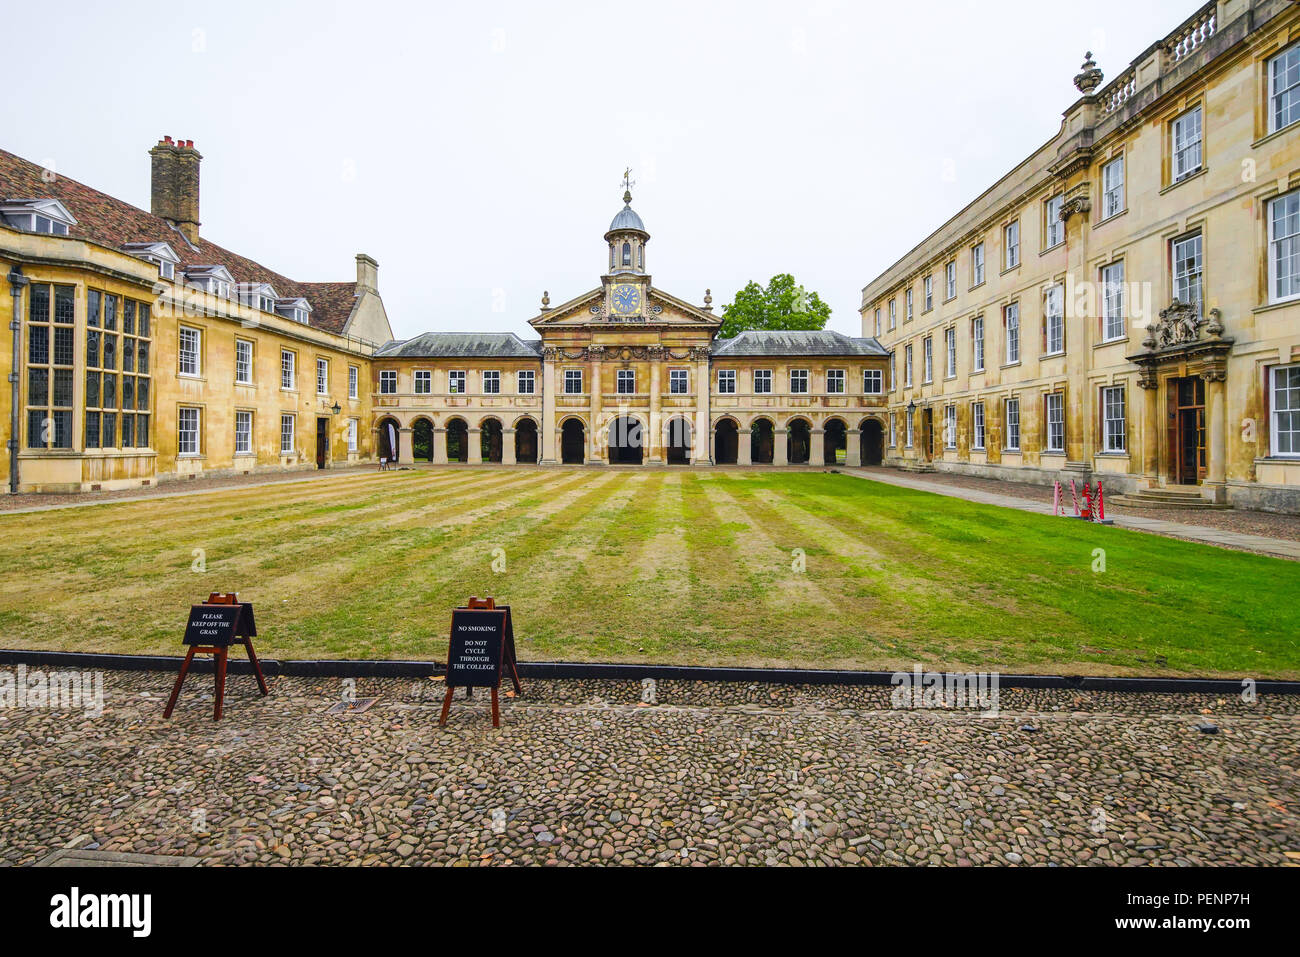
174, 184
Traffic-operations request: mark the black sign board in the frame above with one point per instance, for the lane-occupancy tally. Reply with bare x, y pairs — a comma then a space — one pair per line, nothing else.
482, 646
219, 625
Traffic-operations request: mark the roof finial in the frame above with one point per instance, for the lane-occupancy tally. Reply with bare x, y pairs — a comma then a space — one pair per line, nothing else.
546, 299
1089, 77
708, 300
628, 183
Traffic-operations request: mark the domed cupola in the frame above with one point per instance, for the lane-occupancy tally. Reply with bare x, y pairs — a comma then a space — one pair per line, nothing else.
627, 238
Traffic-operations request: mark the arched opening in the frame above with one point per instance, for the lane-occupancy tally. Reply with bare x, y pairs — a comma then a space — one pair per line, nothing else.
457, 441
627, 254
626, 441
798, 442
679, 442
573, 442
726, 443
873, 442
490, 437
761, 442
422, 441
526, 442
387, 445
836, 442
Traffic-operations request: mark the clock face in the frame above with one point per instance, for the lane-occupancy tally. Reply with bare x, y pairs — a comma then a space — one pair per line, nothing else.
626, 299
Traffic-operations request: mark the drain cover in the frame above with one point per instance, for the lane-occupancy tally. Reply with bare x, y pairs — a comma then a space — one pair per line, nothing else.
355, 706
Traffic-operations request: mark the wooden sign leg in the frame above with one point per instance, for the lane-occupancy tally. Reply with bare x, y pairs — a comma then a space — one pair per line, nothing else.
257, 665
446, 706
221, 682
496, 712
180, 680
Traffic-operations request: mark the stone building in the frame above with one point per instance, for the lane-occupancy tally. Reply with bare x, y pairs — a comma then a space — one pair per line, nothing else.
144, 352
1125, 303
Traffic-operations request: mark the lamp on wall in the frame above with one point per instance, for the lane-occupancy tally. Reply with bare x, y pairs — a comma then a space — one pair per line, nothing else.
335, 409
911, 407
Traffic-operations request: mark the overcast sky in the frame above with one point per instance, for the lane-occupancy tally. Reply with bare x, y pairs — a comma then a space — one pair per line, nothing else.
476, 149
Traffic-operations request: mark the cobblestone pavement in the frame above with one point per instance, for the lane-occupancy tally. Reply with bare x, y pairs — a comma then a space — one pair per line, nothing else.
709, 773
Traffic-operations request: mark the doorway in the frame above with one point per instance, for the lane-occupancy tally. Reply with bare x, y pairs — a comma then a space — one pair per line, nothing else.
873, 442
927, 433
626, 441
573, 443
322, 443
1187, 464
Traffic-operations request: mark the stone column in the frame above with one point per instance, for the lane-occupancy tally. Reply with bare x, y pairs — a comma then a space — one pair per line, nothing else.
780, 454
549, 427
508, 447
595, 389
1216, 439
853, 449
1150, 428
439, 446
654, 441
702, 445
475, 439
405, 453
744, 447
817, 447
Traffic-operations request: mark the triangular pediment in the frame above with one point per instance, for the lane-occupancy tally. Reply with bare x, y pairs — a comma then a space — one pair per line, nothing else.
588, 309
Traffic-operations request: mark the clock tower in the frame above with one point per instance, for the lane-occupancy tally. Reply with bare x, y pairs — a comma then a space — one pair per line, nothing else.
626, 283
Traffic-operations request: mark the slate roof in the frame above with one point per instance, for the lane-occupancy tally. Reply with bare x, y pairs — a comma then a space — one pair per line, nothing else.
626, 219
797, 343
111, 222
462, 345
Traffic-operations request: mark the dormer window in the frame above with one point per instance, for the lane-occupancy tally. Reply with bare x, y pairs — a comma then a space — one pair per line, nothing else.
47, 216
214, 280
299, 310
160, 254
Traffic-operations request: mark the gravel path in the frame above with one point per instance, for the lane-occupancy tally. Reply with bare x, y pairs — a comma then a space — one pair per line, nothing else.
708, 773
1269, 524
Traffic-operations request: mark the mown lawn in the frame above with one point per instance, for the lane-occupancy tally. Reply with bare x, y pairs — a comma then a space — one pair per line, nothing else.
798, 568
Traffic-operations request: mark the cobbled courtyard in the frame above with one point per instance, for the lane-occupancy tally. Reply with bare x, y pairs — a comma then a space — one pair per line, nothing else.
708, 773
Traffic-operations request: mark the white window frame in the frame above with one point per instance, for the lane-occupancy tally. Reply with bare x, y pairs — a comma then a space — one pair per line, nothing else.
799, 381
457, 382
836, 382
1011, 244
1284, 89
243, 436
950, 427
1011, 416
573, 382
491, 382
978, 434
928, 283
244, 361
189, 431
288, 439
1053, 225
422, 381
1114, 429
907, 366
628, 376
388, 382
679, 382
927, 360
727, 377
1054, 321
977, 264
873, 382
322, 376
909, 430
1113, 199
1186, 153
1284, 410
1054, 416
1284, 247
351, 433
1011, 323
1113, 323
1188, 270
908, 300
893, 430
526, 382
288, 370
950, 353
893, 314
950, 280
977, 344
762, 382
190, 354
354, 378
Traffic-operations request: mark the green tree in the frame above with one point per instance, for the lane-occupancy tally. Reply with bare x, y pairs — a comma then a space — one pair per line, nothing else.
784, 304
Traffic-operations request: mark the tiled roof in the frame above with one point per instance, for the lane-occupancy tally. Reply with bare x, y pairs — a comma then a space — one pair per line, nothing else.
462, 345
797, 343
111, 222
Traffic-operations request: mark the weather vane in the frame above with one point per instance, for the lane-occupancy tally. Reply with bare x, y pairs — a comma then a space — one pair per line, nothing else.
628, 183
